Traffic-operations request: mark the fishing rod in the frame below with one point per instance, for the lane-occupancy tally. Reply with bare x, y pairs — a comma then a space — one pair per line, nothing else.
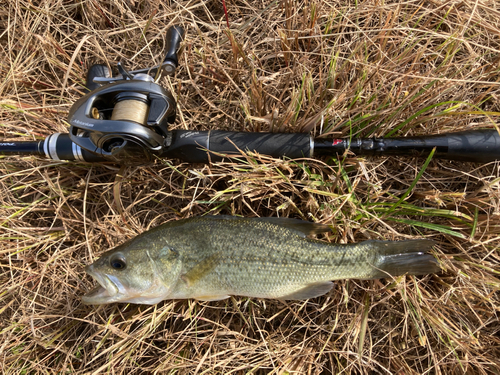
125, 119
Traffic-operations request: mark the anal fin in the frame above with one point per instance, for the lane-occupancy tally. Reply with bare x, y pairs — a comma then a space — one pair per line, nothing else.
310, 291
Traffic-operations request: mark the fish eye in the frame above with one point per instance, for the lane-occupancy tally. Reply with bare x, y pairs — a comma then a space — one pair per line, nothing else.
118, 263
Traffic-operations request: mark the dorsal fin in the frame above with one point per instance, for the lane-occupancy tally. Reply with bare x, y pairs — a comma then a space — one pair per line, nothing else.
303, 228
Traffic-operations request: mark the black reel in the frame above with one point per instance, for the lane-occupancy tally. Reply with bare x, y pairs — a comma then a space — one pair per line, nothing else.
125, 118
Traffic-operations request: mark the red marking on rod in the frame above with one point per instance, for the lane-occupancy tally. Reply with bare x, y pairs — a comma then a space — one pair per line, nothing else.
336, 142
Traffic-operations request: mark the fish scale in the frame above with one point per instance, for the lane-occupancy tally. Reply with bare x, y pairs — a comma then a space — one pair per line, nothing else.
214, 257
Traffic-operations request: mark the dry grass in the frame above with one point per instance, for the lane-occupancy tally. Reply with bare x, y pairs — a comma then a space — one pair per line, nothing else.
366, 67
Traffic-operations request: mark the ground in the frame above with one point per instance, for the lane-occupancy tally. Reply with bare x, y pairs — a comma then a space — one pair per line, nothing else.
331, 68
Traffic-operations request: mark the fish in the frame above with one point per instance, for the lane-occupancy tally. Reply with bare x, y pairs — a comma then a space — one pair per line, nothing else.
210, 258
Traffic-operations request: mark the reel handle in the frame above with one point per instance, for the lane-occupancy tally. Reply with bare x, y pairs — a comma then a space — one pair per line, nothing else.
96, 70
99, 74
175, 35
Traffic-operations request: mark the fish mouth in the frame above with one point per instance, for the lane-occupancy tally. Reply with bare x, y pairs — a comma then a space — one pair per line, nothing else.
105, 292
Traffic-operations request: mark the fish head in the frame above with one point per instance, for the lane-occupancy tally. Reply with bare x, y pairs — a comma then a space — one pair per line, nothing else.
135, 272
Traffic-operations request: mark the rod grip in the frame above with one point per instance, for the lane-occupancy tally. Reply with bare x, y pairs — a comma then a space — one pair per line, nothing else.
477, 146
214, 145
289, 145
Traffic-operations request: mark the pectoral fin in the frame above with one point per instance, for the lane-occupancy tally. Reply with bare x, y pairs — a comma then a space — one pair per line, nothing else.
310, 291
200, 270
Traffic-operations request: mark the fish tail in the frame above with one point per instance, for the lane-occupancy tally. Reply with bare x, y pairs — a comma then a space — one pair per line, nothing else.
404, 257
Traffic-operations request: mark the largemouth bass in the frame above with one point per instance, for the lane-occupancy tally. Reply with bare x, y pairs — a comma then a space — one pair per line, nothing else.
213, 257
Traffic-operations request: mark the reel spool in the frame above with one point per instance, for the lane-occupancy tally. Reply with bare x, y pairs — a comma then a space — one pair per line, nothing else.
131, 106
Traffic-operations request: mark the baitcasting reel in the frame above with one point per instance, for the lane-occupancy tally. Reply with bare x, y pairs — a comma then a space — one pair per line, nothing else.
125, 118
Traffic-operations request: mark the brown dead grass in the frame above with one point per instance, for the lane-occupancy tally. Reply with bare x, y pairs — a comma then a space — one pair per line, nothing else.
336, 67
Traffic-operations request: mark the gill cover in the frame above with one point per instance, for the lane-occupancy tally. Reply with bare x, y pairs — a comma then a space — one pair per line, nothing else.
135, 272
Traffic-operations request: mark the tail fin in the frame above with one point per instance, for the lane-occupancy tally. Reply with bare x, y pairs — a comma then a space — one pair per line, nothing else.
404, 257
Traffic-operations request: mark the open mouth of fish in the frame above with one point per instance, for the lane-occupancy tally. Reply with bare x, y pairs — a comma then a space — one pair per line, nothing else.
103, 292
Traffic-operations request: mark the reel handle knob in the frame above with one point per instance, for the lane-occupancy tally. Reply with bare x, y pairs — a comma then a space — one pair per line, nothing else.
175, 35
96, 70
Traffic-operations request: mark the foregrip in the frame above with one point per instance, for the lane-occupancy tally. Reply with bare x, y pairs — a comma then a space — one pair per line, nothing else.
56, 146
215, 145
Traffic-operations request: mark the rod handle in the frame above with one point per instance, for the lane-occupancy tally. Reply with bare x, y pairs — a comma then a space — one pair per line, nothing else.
289, 145
215, 145
477, 146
